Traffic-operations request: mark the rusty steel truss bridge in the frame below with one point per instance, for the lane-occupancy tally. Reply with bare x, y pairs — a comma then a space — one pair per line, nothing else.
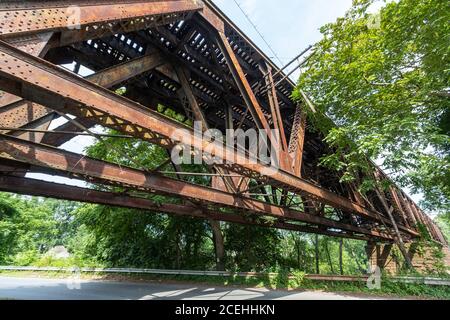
185, 55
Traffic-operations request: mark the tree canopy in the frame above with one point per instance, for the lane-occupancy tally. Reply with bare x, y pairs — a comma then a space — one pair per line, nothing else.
383, 79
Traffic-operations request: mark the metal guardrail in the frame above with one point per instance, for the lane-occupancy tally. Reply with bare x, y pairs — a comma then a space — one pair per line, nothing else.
178, 272
364, 278
138, 271
424, 280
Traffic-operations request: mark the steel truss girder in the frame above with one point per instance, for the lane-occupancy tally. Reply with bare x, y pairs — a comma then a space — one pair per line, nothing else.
297, 142
57, 139
42, 82
36, 45
241, 41
242, 83
85, 20
82, 167
33, 187
169, 74
193, 21
22, 112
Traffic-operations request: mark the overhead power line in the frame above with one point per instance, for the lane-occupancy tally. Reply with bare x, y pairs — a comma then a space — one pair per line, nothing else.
270, 47
257, 31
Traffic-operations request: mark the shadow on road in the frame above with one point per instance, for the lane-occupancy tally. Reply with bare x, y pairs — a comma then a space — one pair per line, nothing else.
61, 289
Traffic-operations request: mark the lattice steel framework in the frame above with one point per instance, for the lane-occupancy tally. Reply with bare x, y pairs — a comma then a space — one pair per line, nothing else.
186, 55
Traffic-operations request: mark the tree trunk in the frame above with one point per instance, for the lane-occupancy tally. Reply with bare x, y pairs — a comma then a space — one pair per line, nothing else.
329, 257
398, 238
218, 245
274, 195
178, 251
317, 254
197, 242
341, 267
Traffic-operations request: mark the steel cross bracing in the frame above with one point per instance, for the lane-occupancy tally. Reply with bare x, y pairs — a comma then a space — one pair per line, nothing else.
187, 56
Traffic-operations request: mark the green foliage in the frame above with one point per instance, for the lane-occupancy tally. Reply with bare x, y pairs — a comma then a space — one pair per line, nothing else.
27, 228
402, 289
116, 237
298, 279
126, 237
443, 221
386, 88
298, 254
25, 258
8, 229
131, 238
73, 261
252, 248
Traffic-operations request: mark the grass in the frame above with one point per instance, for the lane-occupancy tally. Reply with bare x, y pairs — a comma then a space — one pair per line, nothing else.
388, 289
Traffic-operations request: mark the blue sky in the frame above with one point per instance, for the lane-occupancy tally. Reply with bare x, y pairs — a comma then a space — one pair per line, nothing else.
288, 26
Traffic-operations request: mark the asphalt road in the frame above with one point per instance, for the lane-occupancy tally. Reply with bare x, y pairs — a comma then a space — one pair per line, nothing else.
61, 289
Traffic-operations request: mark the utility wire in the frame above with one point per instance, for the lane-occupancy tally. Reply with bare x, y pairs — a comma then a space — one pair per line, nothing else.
257, 31
270, 47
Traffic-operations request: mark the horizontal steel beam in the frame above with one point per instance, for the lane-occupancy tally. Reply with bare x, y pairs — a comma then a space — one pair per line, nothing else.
22, 112
127, 70
42, 82
57, 139
36, 45
26, 186
107, 173
57, 17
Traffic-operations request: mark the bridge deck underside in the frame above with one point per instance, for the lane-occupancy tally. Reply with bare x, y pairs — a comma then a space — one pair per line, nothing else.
188, 57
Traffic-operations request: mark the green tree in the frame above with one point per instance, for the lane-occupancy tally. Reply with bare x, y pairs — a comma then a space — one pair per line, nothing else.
443, 221
384, 82
120, 237
251, 248
27, 228
8, 228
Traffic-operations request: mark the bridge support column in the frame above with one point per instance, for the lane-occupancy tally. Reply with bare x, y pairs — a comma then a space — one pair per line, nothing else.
426, 258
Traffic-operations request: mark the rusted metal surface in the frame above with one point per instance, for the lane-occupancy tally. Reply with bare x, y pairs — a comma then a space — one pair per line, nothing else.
36, 45
126, 70
398, 205
183, 77
398, 237
57, 140
212, 17
227, 183
220, 85
275, 108
242, 83
107, 173
55, 17
14, 111
34, 187
24, 112
40, 125
250, 99
297, 142
65, 92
